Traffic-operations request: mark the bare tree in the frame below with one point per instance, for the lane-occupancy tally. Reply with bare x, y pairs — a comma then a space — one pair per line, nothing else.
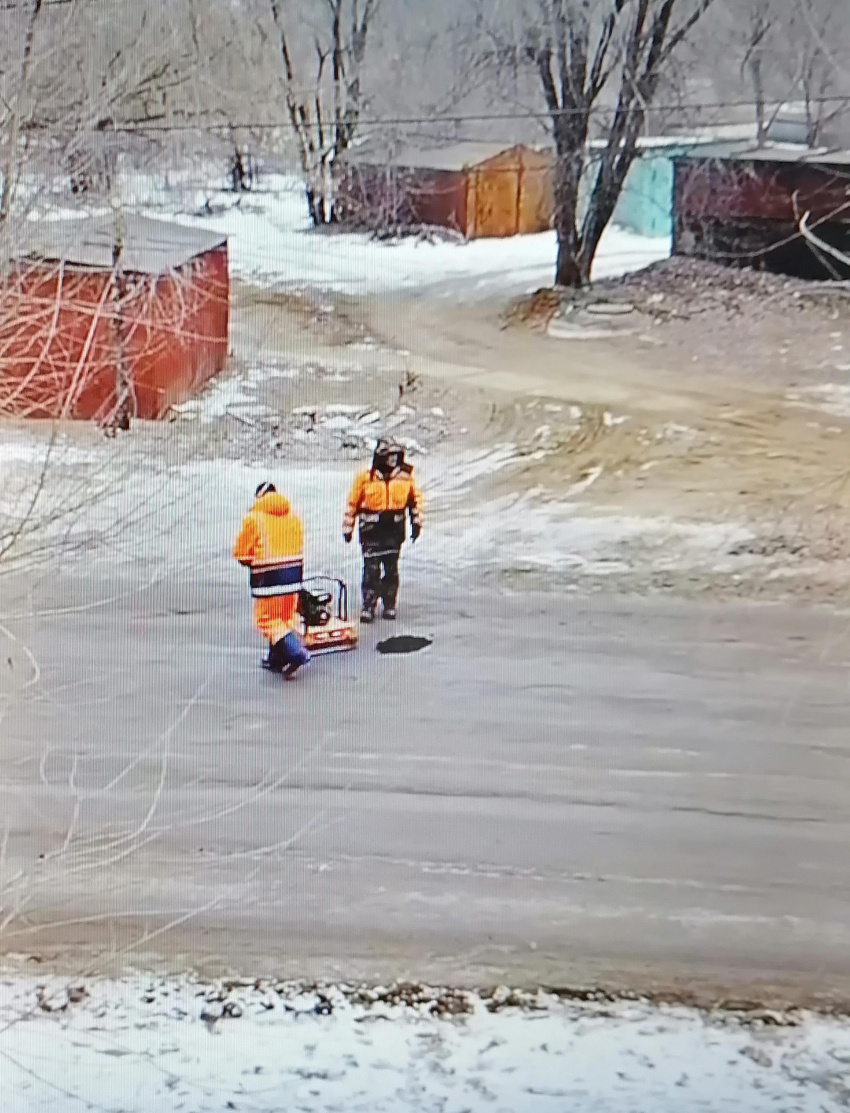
599, 64
790, 59
820, 35
757, 17
322, 58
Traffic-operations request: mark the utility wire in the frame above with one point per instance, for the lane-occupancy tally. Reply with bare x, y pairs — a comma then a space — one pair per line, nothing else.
542, 115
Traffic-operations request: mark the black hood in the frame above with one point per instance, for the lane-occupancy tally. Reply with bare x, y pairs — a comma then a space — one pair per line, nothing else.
388, 457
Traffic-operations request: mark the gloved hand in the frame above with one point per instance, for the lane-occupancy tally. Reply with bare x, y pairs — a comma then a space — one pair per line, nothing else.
347, 538
414, 532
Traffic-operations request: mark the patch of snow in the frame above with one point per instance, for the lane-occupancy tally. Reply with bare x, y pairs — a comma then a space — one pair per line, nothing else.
508, 532
519, 531
27, 450
831, 398
267, 371
586, 482
159, 1047
229, 393
411, 446
271, 241
462, 472
223, 396
340, 422
341, 408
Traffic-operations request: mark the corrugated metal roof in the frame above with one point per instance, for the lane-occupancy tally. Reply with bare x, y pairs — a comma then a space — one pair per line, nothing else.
150, 246
458, 156
771, 152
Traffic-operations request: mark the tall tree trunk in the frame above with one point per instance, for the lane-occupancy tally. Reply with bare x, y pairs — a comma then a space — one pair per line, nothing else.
12, 169
567, 270
120, 417
617, 160
758, 93
570, 139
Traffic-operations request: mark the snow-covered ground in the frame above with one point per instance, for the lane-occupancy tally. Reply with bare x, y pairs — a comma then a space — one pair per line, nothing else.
271, 242
169, 513
154, 1047
524, 534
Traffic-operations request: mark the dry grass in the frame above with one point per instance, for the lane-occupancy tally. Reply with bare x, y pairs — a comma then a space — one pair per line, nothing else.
534, 311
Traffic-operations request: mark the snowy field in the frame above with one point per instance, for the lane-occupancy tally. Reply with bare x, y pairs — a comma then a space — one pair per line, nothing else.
272, 243
156, 1047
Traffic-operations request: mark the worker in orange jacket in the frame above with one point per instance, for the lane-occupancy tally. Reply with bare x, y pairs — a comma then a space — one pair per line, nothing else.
271, 545
381, 500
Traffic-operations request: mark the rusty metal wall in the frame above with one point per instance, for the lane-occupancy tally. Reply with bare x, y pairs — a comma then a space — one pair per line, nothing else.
378, 197
58, 349
511, 194
721, 189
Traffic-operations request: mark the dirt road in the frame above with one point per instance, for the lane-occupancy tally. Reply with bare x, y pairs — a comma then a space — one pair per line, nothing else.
648, 796
712, 420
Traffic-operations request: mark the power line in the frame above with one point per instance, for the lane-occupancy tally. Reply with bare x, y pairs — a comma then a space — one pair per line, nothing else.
542, 115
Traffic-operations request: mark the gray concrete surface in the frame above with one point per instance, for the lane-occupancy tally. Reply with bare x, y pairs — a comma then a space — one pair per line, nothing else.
568, 790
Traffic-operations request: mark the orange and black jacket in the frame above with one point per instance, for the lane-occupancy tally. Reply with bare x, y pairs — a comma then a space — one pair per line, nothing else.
381, 504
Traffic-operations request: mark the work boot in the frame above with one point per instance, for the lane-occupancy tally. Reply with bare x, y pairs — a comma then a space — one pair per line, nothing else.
290, 670
389, 613
367, 615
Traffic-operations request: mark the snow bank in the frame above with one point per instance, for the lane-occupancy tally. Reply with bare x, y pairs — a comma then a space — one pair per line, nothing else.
271, 242
143, 1047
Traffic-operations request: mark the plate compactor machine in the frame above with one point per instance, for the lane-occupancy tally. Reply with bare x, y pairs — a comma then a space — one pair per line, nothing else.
323, 606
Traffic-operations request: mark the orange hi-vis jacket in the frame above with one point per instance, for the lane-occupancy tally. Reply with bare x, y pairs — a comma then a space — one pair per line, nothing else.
381, 505
271, 544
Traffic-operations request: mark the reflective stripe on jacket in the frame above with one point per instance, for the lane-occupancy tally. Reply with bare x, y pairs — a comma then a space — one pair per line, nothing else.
271, 545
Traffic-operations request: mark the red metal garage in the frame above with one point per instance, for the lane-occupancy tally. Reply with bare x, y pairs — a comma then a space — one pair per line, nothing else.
740, 205
104, 320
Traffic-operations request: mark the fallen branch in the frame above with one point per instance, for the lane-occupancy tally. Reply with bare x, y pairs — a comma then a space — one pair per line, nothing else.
820, 244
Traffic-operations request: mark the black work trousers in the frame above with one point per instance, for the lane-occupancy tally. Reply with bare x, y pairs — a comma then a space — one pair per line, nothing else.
380, 577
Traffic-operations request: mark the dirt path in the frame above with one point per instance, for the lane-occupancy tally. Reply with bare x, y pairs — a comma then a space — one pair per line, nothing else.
634, 428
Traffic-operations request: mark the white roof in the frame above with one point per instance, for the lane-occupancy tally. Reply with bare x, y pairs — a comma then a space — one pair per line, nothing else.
457, 156
150, 246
